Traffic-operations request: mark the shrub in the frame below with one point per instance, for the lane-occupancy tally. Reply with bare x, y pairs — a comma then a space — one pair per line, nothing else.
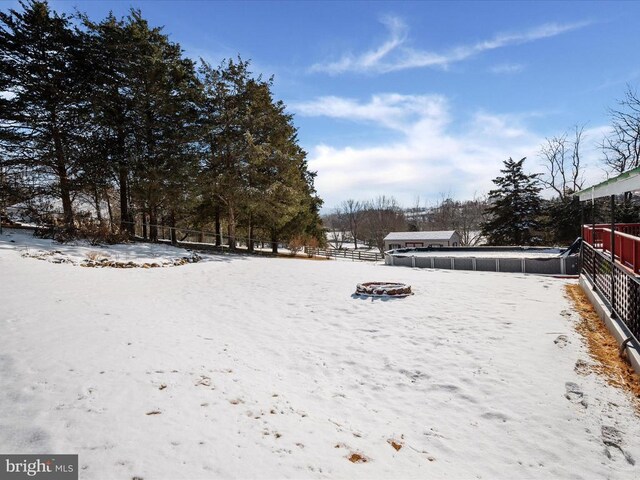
297, 243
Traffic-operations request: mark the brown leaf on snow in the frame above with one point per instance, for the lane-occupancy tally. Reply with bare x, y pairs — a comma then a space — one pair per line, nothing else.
357, 458
394, 444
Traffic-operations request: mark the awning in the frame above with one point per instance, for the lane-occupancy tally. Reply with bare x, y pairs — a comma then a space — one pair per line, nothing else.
626, 182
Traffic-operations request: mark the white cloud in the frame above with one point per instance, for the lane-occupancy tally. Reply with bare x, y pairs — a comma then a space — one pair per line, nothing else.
394, 54
428, 158
391, 110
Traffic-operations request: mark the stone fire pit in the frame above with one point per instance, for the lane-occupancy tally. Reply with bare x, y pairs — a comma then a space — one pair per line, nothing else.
383, 289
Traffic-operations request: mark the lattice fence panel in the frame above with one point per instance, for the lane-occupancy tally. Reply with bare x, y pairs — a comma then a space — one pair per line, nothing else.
626, 287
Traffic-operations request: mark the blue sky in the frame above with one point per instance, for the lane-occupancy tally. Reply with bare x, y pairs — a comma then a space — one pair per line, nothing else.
419, 99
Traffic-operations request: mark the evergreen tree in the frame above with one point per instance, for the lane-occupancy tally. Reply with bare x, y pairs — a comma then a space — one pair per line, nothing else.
256, 171
225, 116
117, 107
164, 123
281, 196
111, 53
515, 206
45, 109
561, 220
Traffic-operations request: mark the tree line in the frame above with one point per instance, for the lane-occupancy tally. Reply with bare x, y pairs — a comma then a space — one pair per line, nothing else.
364, 224
114, 110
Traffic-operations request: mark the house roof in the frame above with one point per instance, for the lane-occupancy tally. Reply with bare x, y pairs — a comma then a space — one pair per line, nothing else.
626, 182
438, 235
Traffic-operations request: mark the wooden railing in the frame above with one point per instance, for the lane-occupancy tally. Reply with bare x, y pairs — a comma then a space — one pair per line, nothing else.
626, 240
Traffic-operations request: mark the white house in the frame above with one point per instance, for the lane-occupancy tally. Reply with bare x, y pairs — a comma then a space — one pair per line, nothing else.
448, 238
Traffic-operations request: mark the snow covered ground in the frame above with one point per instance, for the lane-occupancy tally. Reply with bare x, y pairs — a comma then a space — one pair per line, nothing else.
81, 252
244, 367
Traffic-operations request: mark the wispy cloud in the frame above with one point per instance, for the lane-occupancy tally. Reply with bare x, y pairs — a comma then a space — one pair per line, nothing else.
391, 110
507, 68
394, 54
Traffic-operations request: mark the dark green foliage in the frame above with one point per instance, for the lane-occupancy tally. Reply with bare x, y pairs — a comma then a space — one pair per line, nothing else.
44, 110
515, 206
561, 220
256, 172
113, 107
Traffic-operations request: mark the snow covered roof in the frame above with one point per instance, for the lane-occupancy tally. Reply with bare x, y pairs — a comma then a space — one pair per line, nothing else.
437, 235
626, 182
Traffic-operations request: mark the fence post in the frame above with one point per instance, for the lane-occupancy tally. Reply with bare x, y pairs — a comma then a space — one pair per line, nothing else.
613, 255
593, 240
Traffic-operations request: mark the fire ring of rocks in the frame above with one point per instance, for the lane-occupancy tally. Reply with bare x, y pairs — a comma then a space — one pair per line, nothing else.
383, 289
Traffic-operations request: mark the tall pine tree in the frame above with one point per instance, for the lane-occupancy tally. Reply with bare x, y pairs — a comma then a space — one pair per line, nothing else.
44, 77
515, 207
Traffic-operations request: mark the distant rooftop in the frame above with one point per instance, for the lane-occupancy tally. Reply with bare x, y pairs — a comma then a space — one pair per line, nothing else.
436, 235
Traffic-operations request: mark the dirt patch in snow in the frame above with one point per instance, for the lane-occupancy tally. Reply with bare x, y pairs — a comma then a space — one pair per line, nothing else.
603, 348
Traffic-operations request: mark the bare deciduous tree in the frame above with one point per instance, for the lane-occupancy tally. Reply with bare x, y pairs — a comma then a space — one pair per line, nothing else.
471, 215
336, 228
465, 217
622, 147
383, 215
354, 212
561, 158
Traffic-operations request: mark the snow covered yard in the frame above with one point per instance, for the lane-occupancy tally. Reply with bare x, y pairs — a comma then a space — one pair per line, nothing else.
244, 367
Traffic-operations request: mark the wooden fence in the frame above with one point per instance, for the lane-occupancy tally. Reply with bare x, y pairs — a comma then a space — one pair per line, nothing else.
354, 255
626, 242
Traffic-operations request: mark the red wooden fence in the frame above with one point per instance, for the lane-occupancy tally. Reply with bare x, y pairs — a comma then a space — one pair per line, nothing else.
626, 238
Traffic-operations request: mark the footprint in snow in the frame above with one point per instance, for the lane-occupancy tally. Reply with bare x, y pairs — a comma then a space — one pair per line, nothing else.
495, 416
613, 440
575, 394
561, 341
581, 367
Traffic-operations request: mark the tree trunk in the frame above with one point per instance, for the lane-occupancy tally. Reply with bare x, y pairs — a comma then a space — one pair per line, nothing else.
231, 228
218, 234
153, 224
250, 244
110, 212
145, 234
172, 220
274, 241
96, 200
126, 225
65, 187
